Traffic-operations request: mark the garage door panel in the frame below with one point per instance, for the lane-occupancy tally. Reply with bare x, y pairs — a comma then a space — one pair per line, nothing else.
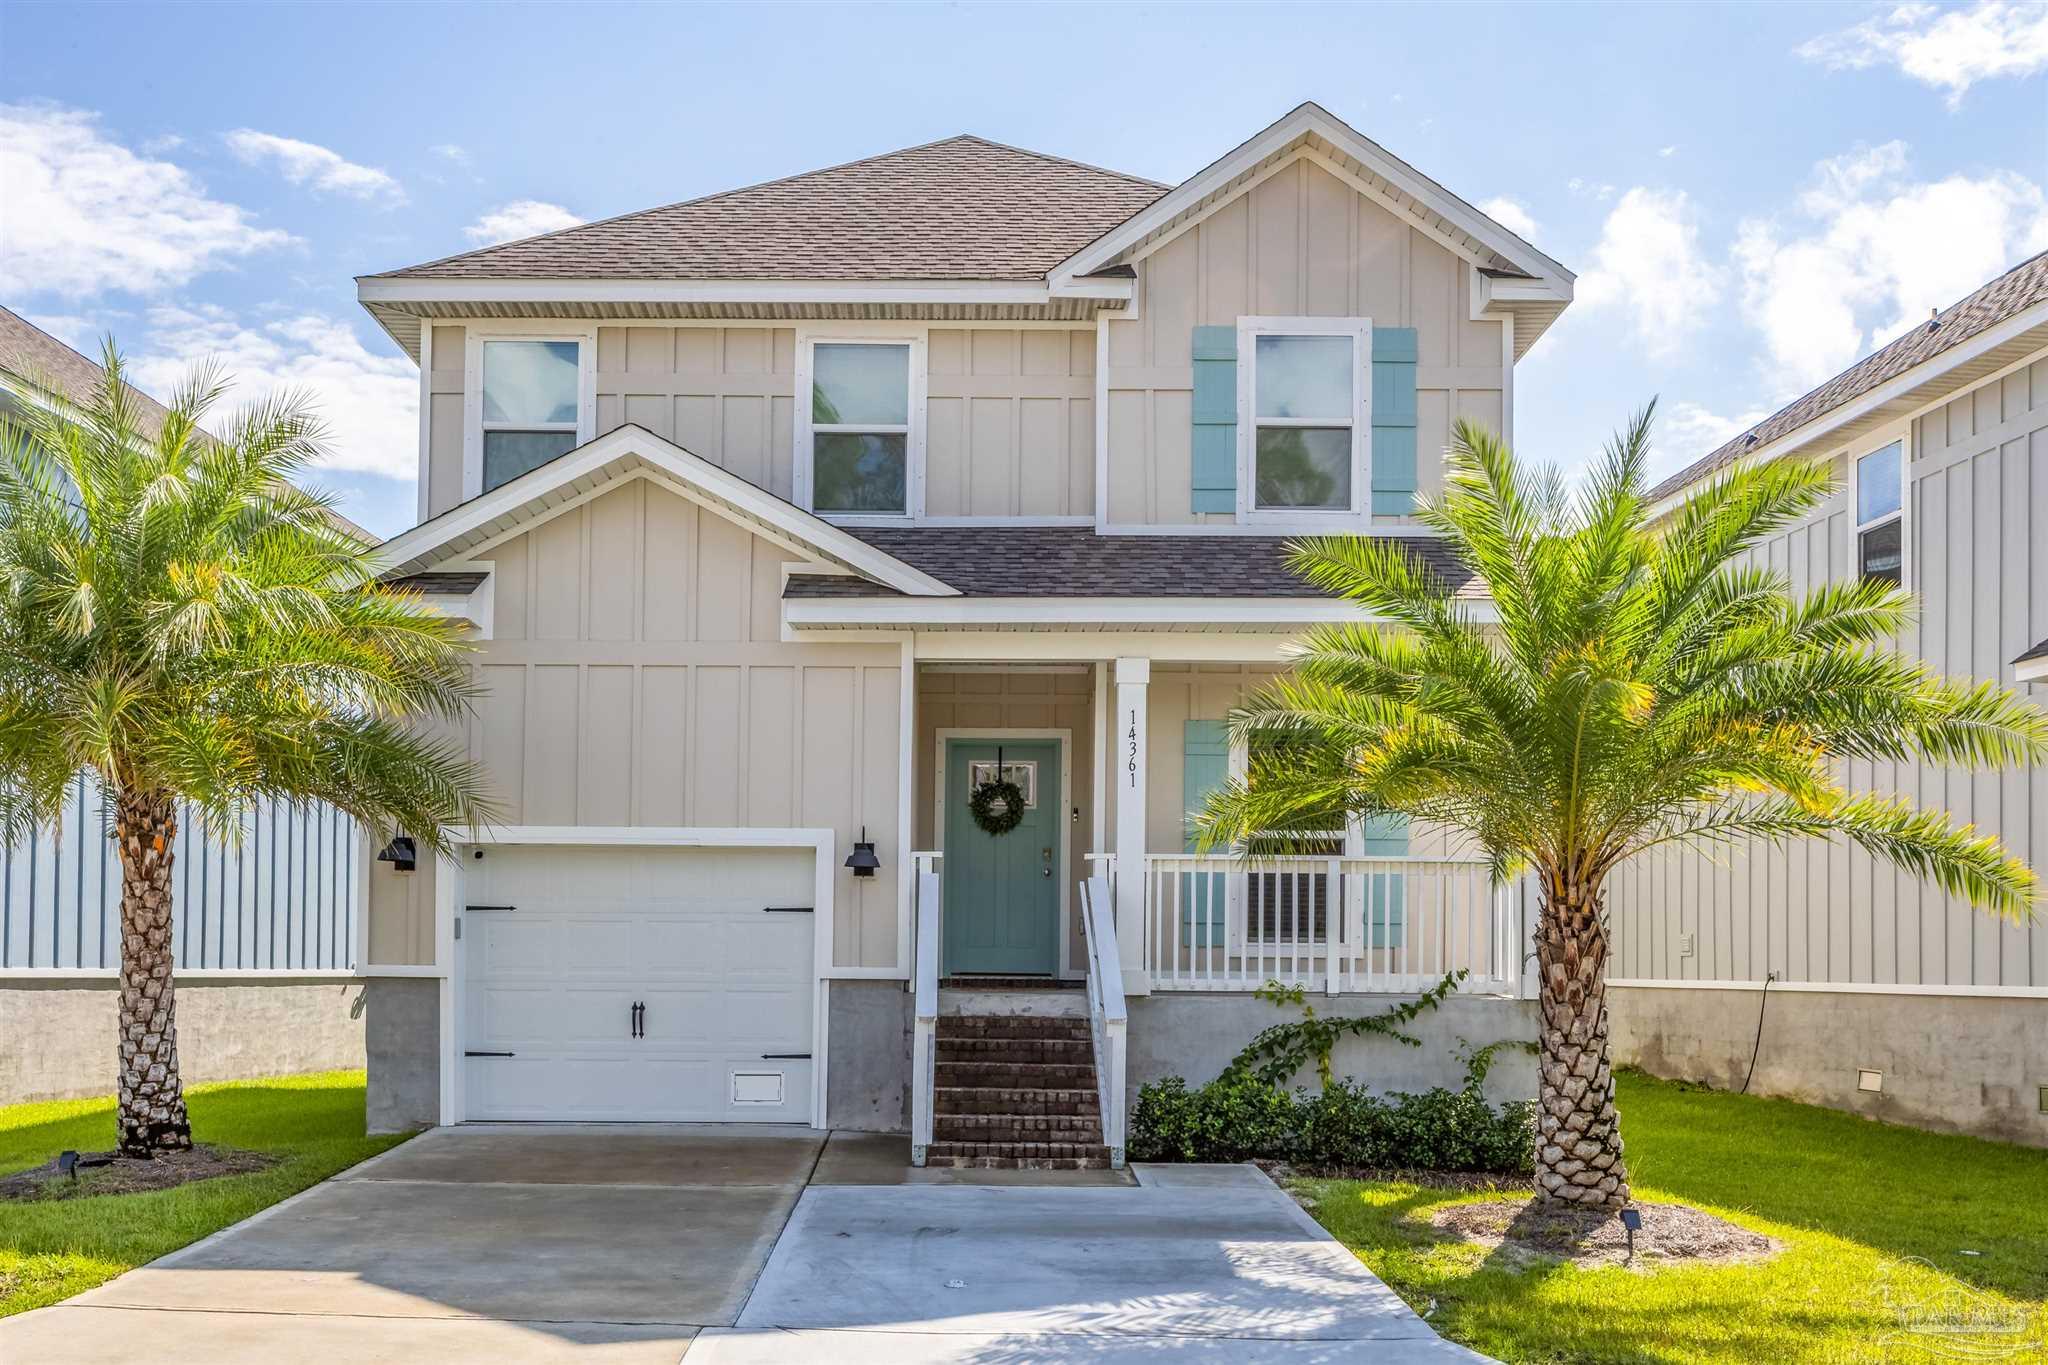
554, 979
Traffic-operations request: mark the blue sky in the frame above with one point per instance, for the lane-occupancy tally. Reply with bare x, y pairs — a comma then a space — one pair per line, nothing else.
1753, 196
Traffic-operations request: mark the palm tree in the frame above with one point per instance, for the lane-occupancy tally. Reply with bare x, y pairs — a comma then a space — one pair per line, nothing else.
179, 618
1646, 685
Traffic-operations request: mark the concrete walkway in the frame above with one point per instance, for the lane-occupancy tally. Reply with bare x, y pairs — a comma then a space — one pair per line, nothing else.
636, 1245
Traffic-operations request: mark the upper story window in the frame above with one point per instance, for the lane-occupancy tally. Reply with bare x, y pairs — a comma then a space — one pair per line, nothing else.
531, 405
1881, 514
1305, 423
860, 444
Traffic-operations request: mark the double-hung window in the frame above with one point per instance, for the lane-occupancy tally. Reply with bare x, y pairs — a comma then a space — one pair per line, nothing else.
1304, 411
860, 429
532, 395
1881, 514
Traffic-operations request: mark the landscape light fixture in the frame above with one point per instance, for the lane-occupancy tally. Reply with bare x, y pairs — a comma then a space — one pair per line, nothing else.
1631, 1219
400, 853
863, 860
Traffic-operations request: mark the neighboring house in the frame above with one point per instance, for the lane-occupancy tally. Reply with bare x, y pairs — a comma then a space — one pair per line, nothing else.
265, 928
789, 516
1886, 996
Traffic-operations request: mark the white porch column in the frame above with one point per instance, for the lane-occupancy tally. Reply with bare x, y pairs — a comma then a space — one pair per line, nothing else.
1127, 767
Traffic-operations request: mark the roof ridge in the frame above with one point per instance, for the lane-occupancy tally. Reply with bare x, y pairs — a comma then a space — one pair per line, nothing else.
1728, 450
716, 195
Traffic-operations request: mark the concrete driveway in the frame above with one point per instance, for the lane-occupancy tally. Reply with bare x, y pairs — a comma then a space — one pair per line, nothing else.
637, 1245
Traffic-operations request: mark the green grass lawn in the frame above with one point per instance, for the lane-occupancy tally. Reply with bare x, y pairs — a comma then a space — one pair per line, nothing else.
50, 1250
1872, 1215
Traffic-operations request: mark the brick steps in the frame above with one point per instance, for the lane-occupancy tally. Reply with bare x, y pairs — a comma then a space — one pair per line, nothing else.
1016, 1092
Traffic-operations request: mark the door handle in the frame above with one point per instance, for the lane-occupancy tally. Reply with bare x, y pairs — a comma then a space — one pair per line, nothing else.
636, 1019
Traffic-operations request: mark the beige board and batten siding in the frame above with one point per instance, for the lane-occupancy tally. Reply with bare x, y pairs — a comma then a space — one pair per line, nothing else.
1010, 412
636, 678
1822, 912
984, 702
1299, 243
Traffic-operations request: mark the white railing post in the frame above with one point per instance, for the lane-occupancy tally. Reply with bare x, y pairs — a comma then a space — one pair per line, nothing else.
1108, 1017
1334, 915
1127, 774
925, 985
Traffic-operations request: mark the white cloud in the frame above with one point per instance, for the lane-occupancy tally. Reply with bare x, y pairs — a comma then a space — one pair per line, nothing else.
448, 151
1511, 214
1649, 262
307, 163
1869, 252
520, 218
1688, 430
84, 214
1670, 151
1578, 184
1949, 49
369, 402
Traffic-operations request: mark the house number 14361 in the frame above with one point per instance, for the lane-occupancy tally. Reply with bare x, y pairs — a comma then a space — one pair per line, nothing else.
1131, 750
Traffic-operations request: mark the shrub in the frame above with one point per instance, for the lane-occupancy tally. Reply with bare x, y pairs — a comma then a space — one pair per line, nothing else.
1237, 1116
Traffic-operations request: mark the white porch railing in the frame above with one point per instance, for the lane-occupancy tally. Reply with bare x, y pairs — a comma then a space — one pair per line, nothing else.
1107, 1016
925, 984
1329, 924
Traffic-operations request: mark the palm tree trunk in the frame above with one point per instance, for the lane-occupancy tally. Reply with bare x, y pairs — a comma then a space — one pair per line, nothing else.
151, 1115
1578, 1132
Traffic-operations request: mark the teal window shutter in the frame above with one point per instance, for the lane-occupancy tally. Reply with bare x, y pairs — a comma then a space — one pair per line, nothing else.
1205, 757
1386, 894
1393, 420
1215, 420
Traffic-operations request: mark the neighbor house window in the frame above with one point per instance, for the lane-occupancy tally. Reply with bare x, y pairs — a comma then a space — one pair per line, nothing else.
1880, 514
1305, 399
860, 428
530, 395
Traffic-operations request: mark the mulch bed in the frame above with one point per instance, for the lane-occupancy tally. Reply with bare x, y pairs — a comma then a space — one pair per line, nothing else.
111, 1173
1671, 1233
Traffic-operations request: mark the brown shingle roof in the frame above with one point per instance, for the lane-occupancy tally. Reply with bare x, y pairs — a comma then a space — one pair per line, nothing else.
961, 209
30, 354
2012, 293
1073, 561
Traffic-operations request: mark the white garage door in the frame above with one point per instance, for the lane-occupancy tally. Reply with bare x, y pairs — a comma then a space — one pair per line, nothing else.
657, 984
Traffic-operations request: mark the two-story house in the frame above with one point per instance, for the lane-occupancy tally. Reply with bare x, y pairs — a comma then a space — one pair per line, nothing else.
794, 520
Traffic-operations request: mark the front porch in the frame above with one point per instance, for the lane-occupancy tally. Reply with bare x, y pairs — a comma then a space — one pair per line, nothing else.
1124, 749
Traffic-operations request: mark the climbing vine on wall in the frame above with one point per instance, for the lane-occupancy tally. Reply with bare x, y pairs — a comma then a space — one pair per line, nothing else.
1284, 1049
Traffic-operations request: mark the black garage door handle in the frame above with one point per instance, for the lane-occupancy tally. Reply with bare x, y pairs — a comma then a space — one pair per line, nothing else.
490, 1054
785, 1056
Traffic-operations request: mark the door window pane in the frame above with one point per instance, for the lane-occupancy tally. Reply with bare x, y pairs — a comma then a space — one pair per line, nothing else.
860, 385
1878, 491
859, 472
1303, 377
1304, 467
508, 454
530, 382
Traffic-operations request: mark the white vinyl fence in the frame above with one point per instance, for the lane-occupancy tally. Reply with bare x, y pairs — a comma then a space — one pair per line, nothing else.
282, 900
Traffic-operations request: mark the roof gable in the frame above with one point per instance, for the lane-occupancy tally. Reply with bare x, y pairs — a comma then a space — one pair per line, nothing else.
1310, 128
635, 452
961, 209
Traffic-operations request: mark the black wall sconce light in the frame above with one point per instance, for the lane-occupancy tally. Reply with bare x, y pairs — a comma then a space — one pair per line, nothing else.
400, 853
863, 860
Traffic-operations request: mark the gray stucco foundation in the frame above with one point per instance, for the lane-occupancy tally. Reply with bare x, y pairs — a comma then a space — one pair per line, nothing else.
1954, 1063
60, 1037
403, 1042
867, 1082
1194, 1035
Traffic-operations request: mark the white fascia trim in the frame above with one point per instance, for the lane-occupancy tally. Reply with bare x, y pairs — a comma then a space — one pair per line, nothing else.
541, 290
1312, 119
2031, 670
1078, 611
1836, 988
681, 465
1886, 393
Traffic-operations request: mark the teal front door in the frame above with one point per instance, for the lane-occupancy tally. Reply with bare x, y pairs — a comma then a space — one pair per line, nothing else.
1001, 892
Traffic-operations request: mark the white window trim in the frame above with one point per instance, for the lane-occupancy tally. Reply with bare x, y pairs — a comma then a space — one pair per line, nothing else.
1858, 453
477, 333
913, 337
1239, 884
1249, 329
